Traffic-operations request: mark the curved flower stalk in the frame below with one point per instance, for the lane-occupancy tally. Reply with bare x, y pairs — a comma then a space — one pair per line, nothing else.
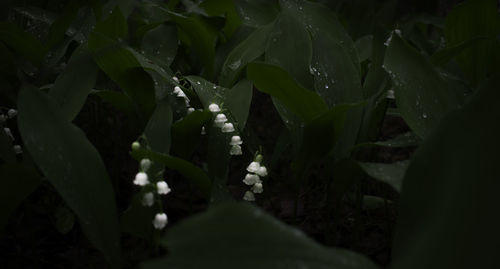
221, 121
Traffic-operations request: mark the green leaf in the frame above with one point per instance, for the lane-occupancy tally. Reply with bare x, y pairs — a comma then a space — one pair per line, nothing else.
70, 95
23, 43
471, 19
422, 96
246, 237
245, 52
186, 133
364, 47
405, 140
160, 44
448, 215
188, 170
287, 38
135, 219
59, 27
118, 99
442, 57
73, 166
157, 130
18, 181
226, 8
257, 13
390, 173
278, 83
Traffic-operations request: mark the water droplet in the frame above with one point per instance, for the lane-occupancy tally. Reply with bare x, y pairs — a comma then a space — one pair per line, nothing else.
326, 86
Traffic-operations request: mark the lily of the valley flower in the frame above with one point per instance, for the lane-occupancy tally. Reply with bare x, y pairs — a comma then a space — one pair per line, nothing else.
145, 164
251, 179
177, 90
18, 149
148, 199
160, 221
162, 187
253, 167
136, 145
262, 171
227, 128
220, 119
235, 150
235, 140
175, 79
257, 188
141, 179
11, 113
249, 196
190, 110
214, 108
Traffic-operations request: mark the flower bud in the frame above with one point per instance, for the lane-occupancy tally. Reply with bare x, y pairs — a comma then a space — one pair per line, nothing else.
18, 149
145, 164
175, 79
136, 145
160, 221
249, 196
259, 158
190, 110
12, 113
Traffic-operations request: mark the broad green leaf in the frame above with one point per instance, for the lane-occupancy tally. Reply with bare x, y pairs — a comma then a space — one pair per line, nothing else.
119, 63
390, 173
136, 219
405, 140
287, 38
245, 52
157, 130
118, 99
73, 85
448, 215
18, 181
23, 43
257, 13
468, 20
226, 8
442, 57
73, 166
188, 170
321, 22
364, 47
59, 27
186, 133
238, 235
278, 83
422, 96
200, 36
160, 44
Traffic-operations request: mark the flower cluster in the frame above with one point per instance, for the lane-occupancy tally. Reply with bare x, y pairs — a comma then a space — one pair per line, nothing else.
11, 113
252, 178
221, 121
180, 93
159, 187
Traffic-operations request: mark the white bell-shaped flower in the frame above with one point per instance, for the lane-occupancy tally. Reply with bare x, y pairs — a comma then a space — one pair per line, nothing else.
249, 196
181, 94
160, 221
251, 179
141, 179
227, 128
11, 113
235, 150
177, 89
3, 118
145, 164
214, 108
148, 199
235, 140
162, 187
220, 119
257, 188
8, 133
253, 167
262, 171
390, 94
203, 131
190, 110
18, 149
175, 79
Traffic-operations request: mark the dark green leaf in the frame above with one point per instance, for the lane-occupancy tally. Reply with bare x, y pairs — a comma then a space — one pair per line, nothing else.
186, 133
245, 52
364, 47
18, 181
73, 166
257, 13
390, 173
118, 99
449, 201
59, 27
160, 45
23, 43
422, 96
157, 130
471, 19
246, 237
443, 56
73, 85
405, 140
223, 7
278, 83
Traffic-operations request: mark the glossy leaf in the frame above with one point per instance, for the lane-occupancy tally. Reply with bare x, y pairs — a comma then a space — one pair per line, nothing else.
73, 166
118, 99
278, 83
157, 130
160, 44
471, 19
257, 13
23, 43
18, 181
238, 235
401, 141
187, 131
59, 27
364, 47
70, 95
422, 96
245, 52
443, 56
226, 8
390, 173
449, 201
